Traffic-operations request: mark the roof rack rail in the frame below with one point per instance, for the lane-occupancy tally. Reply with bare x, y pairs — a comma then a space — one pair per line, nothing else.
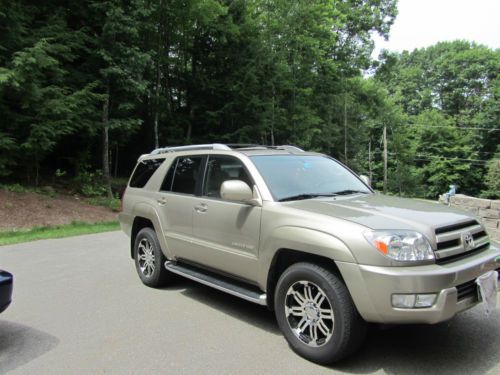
213, 146
224, 147
264, 147
287, 147
236, 146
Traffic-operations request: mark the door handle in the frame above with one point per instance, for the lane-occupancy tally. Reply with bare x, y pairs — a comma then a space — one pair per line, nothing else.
201, 208
162, 201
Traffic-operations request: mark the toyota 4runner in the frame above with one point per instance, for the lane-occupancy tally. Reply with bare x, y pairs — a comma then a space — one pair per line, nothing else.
305, 236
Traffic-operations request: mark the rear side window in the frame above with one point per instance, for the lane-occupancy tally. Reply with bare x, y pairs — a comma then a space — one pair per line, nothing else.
143, 172
183, 175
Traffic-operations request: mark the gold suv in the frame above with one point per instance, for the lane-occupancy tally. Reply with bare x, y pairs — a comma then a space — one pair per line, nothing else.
302, 234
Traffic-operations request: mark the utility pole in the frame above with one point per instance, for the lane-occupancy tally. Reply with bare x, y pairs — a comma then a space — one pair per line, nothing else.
385, 159
345, 127
370, 161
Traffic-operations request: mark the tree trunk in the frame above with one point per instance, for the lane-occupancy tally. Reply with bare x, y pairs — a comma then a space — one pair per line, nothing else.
115, 173
158, 82
105, 143
190, 125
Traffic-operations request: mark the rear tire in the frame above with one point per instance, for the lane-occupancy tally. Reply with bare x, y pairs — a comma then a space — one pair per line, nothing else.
316, 314
149, 259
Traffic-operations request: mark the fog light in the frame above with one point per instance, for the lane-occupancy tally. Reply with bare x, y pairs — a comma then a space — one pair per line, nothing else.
425, 300
404, 301
410, 301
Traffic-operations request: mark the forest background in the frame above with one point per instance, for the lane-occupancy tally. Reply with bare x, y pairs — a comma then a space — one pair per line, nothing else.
88, 86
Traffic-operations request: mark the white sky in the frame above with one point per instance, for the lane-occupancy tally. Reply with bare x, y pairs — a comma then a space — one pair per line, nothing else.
421, 23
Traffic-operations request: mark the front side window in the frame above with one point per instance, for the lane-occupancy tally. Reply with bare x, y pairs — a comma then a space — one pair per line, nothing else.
291, 177
221, 168
182, 175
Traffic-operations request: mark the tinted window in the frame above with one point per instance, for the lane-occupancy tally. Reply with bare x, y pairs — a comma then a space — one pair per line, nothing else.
182, 175
291, 175
169, 178
221, 168
143, 172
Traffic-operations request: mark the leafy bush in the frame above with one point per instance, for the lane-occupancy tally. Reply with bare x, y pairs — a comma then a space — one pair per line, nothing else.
90, 184
16, 188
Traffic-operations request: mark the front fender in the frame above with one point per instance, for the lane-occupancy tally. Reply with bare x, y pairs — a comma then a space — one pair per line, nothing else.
301, 239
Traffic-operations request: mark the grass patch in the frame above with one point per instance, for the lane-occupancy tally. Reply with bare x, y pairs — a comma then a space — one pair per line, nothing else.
18, 189
112, 203
41, 233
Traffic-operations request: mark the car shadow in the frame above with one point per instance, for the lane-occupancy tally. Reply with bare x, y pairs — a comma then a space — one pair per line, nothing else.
467, 344
248, 312
20, 344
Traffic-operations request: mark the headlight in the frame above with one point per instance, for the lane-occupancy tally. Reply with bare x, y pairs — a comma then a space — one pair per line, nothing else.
401, 245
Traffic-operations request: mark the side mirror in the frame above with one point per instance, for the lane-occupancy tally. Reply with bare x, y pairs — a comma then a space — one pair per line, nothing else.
365, 179
239, 191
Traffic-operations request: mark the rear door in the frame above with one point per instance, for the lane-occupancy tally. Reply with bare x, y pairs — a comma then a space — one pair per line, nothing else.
176, 200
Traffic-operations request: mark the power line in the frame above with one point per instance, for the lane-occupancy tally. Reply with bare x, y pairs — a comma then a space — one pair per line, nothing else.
452, 127
477, 162
443, 158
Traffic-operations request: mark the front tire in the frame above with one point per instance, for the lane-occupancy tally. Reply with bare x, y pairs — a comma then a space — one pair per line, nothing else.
316, 314
149, 259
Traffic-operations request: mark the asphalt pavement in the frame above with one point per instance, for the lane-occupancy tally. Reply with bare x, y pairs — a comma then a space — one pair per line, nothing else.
79, 308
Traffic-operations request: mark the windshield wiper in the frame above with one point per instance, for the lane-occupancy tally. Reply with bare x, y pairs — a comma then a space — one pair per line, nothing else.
349, 191
306, 196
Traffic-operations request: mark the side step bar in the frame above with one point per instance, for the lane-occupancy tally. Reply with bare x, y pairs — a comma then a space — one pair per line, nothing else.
218, 282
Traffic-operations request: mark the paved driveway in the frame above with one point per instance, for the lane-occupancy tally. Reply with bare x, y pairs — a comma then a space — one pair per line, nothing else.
79, 308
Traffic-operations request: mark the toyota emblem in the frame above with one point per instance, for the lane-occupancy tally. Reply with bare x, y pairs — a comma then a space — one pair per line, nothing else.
468, 240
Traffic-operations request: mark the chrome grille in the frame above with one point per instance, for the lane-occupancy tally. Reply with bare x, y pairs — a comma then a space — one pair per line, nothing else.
450, 245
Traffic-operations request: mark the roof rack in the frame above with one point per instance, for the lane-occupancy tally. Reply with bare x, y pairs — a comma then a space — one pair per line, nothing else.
224, 147
264, 147
213, 146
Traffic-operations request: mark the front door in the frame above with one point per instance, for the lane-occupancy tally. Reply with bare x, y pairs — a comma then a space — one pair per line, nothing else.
226, 234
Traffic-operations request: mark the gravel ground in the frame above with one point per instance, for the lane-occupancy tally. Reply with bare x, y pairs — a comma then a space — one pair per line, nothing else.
79, 308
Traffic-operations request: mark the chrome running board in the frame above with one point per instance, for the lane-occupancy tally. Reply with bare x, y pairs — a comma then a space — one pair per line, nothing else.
218, 282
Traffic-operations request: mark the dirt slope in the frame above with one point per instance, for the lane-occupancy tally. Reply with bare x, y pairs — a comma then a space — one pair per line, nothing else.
26, 210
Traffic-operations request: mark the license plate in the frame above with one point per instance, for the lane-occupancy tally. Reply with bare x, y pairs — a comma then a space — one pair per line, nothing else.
487, 289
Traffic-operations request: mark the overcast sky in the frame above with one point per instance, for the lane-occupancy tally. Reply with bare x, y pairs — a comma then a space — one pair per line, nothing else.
421, 23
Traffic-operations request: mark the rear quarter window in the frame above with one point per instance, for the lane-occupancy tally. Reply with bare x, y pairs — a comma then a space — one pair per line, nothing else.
143, 172
183, 175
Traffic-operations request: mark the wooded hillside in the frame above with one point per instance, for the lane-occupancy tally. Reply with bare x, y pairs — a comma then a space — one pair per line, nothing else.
88, 86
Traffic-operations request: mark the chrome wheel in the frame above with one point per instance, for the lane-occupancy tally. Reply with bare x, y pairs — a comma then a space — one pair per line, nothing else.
309, 313
146, 257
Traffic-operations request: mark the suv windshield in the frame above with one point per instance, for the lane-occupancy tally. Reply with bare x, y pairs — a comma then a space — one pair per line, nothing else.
291, 177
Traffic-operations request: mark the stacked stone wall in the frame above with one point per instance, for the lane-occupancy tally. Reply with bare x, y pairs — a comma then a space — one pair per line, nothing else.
485, 209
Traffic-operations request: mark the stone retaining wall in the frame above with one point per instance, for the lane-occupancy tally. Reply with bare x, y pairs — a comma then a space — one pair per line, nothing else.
486, 209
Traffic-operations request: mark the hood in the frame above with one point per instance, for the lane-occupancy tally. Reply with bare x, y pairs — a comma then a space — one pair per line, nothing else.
377, 211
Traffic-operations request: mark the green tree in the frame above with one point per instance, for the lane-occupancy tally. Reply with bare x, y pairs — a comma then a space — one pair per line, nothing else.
492, 179
121, 64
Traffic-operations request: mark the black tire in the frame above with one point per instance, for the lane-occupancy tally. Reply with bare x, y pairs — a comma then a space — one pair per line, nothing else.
147, 251
333, 338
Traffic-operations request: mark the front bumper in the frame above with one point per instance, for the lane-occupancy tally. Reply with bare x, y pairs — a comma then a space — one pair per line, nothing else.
6, 286
372, 288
